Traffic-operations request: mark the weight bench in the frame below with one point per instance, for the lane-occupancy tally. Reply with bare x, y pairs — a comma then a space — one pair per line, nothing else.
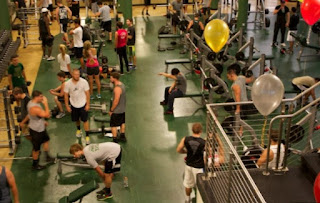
192, 95
79, 193
303, 42
178, 61
102, 107
167, 36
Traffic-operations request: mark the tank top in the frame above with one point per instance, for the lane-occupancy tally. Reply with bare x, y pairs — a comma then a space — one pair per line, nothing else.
195, 148
4, 187
241, 81
63, 15
92, 65
272, 164
122, 38
196, 28
35, 123
121, 107
42, 27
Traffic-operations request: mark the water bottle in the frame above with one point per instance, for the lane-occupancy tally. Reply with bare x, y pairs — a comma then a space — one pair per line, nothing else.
125, 182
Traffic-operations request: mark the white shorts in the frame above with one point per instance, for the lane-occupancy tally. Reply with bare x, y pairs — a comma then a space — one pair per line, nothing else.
190, 176
289, 37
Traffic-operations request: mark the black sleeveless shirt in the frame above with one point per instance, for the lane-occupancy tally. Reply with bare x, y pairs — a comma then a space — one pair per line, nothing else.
195, 148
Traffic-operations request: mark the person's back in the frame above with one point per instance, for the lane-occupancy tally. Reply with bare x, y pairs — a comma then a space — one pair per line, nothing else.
78, 33
43, 26
131, 32
121, 107
181, 83
4, 187
241, 82
36, 123
63, 14
122, 38
274, 149
105, 13
294, 21
195, 148
63, 62
304, 80
196, 27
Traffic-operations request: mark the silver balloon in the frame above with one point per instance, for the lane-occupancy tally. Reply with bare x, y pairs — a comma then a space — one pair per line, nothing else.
267, 93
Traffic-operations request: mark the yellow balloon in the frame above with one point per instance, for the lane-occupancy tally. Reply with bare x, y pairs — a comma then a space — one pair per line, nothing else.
216, 34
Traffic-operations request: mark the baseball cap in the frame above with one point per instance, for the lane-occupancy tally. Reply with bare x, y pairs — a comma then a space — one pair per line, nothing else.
283, 1
44, 10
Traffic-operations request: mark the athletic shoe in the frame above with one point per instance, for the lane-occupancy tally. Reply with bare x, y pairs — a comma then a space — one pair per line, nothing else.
104, 196
163, 103
274, 44
98, 96
115, 140
60, 115
44, 57
38, 167
87, 140
79, 133
168, 113
283, 45
123, 138
91, 97
50, 58
147, 14
100, 192
50, 159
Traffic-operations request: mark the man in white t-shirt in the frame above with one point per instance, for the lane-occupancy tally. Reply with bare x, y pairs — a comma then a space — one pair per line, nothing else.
77, 41
104, 13
78, 90
108, 153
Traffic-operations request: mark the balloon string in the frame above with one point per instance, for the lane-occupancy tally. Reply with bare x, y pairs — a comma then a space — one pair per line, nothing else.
263, 131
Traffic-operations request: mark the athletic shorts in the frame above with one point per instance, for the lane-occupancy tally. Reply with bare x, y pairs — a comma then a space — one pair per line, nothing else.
79, 114
190, 176
78, 52
68, 75
50, 8
63, 28
93, 71
131, 50
47, 41
299, 87
185, 1
114, 165
117, 119
106, 25
147, 2
61, 99
289, 37
38, 138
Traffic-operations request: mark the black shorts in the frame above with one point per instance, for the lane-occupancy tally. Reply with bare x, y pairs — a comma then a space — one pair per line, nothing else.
106, 25
79, 114
38, 138
78, 52
67, 74
50, 8
185, 1
47, 41
61, 99
63, 27
117, 119
295, 87
175, 19
147, 2
93, 71
113, 166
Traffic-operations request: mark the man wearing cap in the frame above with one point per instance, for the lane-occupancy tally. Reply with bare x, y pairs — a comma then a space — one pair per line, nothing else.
283, 20
45, 34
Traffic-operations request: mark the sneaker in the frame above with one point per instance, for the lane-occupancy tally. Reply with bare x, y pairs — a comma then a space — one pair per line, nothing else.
50, 58
91, 97
109, 40
163, 103
60, 115
147, 14
100, 192
38, 167
98, 96
274, 44
79, 133
123, 138
283, 45
50, 159
87, 140
115, 140
104, 196
45, 57
168, 112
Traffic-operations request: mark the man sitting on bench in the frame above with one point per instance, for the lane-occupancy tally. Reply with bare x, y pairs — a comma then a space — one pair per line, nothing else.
303, 83
107, 152
177, 89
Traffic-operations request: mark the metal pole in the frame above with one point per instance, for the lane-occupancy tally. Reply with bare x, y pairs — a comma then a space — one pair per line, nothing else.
6, 111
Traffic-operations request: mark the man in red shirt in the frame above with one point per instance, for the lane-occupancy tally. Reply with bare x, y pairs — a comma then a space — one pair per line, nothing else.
121, 38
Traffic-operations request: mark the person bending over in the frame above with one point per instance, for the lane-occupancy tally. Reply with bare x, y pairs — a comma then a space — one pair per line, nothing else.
274, 136
7, 183
59, 94
194, 147
177, 89
107, 152
303, 83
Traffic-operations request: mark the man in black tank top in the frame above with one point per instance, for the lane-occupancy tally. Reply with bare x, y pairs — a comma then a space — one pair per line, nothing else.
196, 25
194, 147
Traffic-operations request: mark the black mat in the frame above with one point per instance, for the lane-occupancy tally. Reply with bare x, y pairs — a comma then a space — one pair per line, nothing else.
311, 165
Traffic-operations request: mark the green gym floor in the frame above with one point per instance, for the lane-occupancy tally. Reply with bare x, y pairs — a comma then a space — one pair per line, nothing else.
150, 161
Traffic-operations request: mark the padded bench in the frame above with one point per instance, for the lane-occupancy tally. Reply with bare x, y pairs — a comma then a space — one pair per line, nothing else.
167, 36
79, 193
256, 57
177, 61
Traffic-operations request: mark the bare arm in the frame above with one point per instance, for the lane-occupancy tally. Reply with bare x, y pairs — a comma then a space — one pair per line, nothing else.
116, 39
57, 15
88, 100
99, 171
313, 95
24, 121
167, 75
180, 147
288, 19
190, 25
201, 26
13, 186
37, 111
237, 94
24, 75
116, 99
249, 80
263, 157
66, 101
10, 81
96, 14
69, 12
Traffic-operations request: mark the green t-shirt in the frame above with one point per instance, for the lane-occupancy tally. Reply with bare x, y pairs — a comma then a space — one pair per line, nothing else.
17, 77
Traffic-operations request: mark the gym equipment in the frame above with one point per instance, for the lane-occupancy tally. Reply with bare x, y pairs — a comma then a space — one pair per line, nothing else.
102, 107
167, 36
303, 43
260, 13
80, 193
178, 61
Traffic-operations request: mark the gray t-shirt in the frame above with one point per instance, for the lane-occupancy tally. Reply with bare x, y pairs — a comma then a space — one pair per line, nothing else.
181, 83
36, 123
241, 81
206, 3
121, 107
95, 153
177, 6
105, 13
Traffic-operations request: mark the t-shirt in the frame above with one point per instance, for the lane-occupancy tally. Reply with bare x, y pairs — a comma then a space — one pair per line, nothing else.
64, 63
63, 15
177, 6
131, 32
45, 4
16, 73
195, 148
122, 38
21, 3
304, 80
77, 92
24, 107
294, 21
77, 38
105, 13
96, 153
181, 83
241, 81
206, 3
281, 15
